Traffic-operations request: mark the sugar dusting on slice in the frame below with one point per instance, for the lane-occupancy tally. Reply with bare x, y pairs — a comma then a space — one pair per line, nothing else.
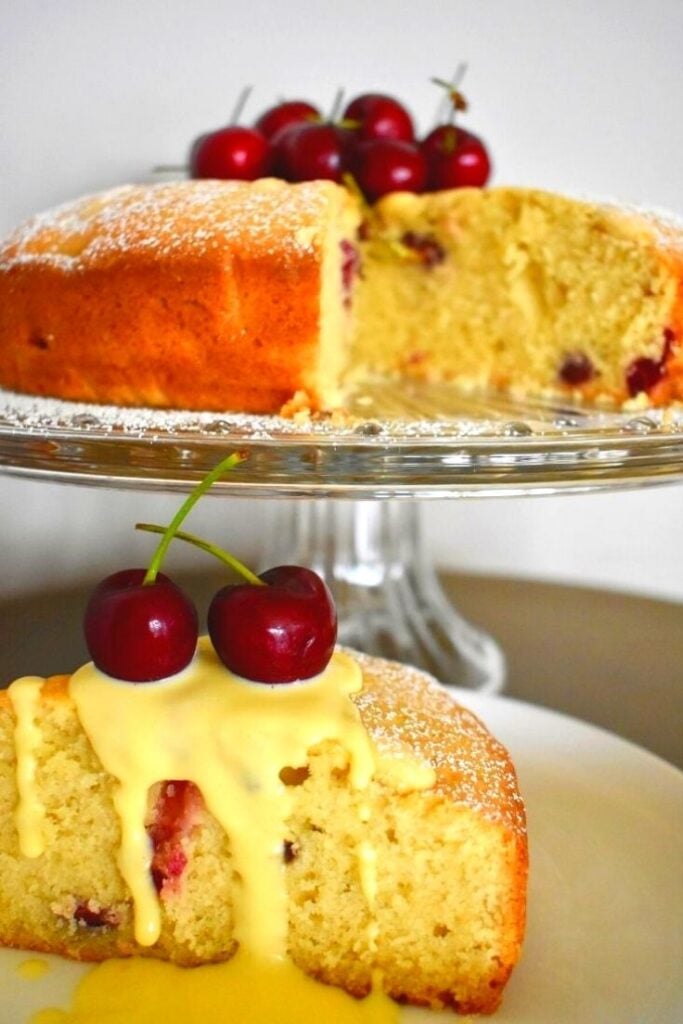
207, 215
406, 711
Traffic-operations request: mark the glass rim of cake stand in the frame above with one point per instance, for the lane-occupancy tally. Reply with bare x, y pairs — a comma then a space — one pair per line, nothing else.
397, 440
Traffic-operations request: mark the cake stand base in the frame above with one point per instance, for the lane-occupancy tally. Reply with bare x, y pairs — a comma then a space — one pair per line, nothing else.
388, 598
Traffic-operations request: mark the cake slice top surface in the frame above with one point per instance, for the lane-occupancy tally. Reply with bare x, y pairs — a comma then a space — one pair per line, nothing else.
409, 715
270, 216
176, 220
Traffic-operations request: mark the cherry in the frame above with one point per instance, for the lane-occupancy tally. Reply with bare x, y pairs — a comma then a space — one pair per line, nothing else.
138, 631
277, 633
388, 165
380, 117
233, 153
175, 810
285, 114
576, 369
643, 374
443, 140
455, 158
139, 626
90, 915
350, 268
427, 249
306, 150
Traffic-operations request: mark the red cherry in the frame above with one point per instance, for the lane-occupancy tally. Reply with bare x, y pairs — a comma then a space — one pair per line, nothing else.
176, 809
642, 374
576, 369
140, 633
277, 633
350, 268
231, 153
443, 140
305, 151
380, 117
455, 159
285, 114
388, 165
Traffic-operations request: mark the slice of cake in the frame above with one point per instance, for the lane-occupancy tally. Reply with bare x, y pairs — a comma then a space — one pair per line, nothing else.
198, 295
262, 296
360, 822
522, 291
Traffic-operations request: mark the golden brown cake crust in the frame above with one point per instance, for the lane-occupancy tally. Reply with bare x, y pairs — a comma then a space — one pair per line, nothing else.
201, 295
405, 711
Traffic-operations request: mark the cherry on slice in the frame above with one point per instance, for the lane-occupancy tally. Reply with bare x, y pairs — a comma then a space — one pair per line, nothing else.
140, 633
387, 165
305, 151
285, 114
231, 153
380, 117
276, 633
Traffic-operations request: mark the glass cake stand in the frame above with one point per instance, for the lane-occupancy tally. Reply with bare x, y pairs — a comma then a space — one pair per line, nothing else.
407, 441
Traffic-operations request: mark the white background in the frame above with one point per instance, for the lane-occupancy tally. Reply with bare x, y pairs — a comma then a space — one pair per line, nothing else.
582, 96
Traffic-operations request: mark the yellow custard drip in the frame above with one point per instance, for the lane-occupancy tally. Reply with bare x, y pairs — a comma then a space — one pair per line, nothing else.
232, 738
30, 814
33, 969
246, 990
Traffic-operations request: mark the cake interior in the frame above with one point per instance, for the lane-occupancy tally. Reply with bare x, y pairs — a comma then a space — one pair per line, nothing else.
446, 912
511, 288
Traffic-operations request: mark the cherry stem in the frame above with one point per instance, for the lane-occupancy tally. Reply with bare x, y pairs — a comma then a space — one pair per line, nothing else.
189, 503
355, 190
241, 103
336, 106
211, 549
450, 87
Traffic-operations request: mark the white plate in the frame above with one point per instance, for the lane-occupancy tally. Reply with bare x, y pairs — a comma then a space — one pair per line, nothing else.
605, 935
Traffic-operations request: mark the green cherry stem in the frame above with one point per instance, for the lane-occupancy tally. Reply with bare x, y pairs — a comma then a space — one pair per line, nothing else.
171, 530
211, 549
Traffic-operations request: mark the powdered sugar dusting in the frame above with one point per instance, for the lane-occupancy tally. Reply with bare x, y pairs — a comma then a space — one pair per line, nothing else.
173, 220
666, 224
379, 414
405, 710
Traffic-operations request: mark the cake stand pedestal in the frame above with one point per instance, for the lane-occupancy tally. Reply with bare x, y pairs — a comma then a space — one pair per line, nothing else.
400, 442
388, 598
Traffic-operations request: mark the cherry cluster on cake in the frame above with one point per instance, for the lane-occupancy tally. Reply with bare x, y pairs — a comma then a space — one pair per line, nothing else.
277, 627
373, 142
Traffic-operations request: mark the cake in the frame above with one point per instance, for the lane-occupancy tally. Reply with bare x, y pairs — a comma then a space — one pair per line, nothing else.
269, 297
407, 870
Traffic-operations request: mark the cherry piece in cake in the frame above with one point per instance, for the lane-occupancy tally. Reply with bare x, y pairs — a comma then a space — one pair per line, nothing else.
174, 813
576, 369
429, 251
